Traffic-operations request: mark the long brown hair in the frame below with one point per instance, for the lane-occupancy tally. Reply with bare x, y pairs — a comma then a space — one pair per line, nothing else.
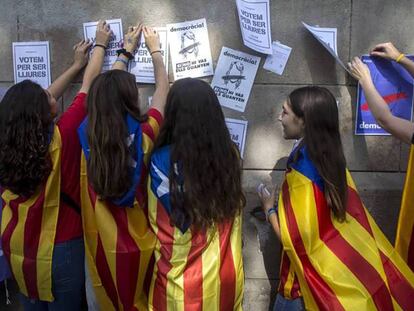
26, 126
318, 108
208, 161
112, 95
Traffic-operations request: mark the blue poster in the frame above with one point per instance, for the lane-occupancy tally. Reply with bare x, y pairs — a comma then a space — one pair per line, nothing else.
394, 84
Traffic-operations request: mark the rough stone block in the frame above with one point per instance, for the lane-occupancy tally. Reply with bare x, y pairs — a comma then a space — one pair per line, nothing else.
259, 295
8, 34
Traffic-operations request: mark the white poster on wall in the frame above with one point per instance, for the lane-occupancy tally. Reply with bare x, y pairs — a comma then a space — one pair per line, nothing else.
254, 18
234, 77
190, 49
141, 66
328, 38
31, 60
278, 60
89, 32
237, 130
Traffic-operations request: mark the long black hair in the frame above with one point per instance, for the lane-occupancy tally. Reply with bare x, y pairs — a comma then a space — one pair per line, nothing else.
207, 187
26, 128
318, 108
113, 94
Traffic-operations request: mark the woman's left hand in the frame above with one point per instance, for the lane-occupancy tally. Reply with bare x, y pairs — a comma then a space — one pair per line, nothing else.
267, 198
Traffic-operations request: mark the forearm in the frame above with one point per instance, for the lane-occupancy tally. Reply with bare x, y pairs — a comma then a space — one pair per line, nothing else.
161, 82
275, 224
58, 87
121, 63
408, 64
93, 69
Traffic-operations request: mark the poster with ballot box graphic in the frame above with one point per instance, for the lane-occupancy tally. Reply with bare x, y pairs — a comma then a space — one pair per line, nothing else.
190, 49
234, 77
141, 66
394, 84
115, 43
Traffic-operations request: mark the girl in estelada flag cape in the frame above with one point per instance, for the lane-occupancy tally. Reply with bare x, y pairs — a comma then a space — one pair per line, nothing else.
195, 202
117, 140
39, 176
334, 255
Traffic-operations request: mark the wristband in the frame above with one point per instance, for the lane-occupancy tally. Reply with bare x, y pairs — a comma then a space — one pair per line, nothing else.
122, 61
270, 211
156, 51
124, 52
400, 57
100, 45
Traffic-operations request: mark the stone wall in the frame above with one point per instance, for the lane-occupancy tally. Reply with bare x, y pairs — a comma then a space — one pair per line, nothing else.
377, 163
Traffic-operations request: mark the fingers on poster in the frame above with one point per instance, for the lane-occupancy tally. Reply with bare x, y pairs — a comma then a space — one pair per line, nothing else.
395, 86
278, 60
254, 18
31, 60
234, 77
237, 130
328, 38
141, 66
190, 49
89, 32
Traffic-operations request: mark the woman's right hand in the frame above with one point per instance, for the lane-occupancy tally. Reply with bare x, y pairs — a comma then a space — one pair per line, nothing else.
152, 39
267, 198
103, 33
385, 50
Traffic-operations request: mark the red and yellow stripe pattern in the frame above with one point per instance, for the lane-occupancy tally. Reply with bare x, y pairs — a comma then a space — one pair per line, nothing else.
194, 270
118, 241
340, 266
28, 230
404, 242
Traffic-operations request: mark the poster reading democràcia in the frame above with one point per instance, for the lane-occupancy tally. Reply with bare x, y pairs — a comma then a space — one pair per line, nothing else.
395, 86
89, 32
190, 49
234, 77
141, 66
254, 17
31, 60
237, 130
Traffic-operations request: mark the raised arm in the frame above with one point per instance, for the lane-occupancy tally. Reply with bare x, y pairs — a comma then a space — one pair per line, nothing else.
58, 87
389, 51
131, 40
152, 41
103, 34
400, 128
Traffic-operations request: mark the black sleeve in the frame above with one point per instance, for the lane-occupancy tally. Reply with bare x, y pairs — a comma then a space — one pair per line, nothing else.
412, 139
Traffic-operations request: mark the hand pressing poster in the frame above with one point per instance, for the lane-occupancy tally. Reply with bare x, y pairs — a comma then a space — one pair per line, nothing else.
234, 78
31, 60
327, 37
237, 130
254, 17
395, 86
89, 32
141, 66
190, 49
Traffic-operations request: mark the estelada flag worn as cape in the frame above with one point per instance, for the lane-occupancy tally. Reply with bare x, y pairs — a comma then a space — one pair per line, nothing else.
340, 266
404, 241
118, 242
28, 230
194, 269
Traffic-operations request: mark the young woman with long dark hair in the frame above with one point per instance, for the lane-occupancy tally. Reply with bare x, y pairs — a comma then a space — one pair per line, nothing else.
334, 254
117, 139
195, 205
39, 178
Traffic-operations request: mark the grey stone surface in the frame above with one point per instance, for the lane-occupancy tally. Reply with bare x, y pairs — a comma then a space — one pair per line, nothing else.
8, 34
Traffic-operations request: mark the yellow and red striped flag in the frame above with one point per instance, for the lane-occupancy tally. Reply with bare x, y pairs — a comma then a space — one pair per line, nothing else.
340, 266
404, 242
28, 230
194, 269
